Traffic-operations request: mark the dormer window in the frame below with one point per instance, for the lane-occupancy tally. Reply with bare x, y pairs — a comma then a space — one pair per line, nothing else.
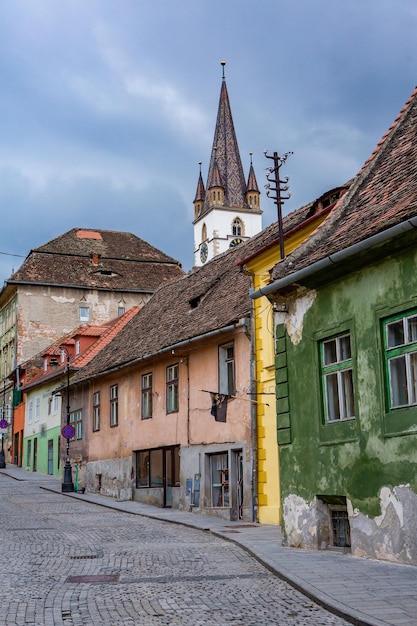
77, 347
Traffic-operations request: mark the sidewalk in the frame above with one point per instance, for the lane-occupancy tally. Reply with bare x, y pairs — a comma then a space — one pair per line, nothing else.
364, 592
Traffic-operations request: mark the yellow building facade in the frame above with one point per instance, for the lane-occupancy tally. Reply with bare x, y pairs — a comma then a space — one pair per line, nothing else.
268, 474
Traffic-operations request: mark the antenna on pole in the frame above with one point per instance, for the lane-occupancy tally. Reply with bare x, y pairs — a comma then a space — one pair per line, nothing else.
276, 190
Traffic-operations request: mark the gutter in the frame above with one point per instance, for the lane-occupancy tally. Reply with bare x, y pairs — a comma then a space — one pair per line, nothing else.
337, 257
175, 346
70, 286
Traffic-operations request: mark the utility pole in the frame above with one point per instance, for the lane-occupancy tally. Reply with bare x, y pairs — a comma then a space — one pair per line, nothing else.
276, 190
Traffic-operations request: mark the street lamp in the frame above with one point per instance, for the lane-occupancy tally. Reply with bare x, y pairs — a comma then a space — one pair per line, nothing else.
68, 430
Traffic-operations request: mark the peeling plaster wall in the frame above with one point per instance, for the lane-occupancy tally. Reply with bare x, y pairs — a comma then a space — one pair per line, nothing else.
370, 460
116, 478
47, 313
392, 536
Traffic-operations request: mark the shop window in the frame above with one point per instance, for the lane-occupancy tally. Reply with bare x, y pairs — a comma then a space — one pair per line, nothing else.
219, 473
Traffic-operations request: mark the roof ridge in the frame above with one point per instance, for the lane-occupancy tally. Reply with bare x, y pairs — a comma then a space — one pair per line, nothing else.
389, 130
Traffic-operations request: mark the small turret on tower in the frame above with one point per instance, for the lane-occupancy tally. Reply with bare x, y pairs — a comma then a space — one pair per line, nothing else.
252, 189
199, 196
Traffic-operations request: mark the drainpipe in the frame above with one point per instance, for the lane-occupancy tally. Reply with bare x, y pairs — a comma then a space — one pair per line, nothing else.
253, 422
337, 257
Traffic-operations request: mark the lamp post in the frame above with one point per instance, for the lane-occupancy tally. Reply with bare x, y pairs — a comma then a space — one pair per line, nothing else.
67, 484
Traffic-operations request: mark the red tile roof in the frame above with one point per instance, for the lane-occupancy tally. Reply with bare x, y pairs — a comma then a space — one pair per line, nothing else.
100, 259
383, 194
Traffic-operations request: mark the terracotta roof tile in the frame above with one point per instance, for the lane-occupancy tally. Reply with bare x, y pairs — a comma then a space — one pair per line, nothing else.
383, 194
114, 261
209, 298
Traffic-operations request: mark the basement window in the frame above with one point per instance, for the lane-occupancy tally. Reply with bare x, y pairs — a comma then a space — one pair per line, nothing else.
340, 529
334, 528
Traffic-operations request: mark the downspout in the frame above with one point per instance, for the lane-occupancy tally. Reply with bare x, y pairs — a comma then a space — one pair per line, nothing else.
335, 258
253, 421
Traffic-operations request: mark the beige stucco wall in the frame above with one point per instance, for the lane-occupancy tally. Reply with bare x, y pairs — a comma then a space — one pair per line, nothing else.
47, 313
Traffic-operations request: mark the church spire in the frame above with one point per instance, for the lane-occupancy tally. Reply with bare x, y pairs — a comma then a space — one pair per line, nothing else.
227, 210
225, 158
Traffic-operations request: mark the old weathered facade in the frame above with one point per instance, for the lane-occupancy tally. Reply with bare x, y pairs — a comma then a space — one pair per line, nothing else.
147, 400
81, 277
297, 226
345, 360
45, 399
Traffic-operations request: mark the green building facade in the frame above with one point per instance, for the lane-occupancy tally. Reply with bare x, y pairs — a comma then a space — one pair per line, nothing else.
346, 380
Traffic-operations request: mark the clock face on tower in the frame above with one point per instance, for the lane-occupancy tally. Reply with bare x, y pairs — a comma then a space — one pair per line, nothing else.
235, 242
203, 252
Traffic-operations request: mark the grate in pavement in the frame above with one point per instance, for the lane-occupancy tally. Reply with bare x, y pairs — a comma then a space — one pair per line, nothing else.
93, 578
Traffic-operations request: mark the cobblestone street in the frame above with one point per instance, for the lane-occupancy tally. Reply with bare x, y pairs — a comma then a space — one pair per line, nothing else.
75, 563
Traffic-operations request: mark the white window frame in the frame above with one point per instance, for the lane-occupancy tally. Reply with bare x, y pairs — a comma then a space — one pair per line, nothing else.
30, 412
84, 313
37, 408
146, 404
96, 411
227, 383
172, 387
337, 378
76, 419
400, 342
114, 405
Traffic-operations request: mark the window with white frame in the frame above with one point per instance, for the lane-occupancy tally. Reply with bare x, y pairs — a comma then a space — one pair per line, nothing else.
400, 339
337, 373
227, 369
172, 388
114, 405
37, 408
30, 411
84, 313
55, 403
96, 411
146, 396
76, 419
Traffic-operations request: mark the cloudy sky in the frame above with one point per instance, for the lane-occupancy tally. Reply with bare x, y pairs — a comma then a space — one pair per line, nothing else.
107, 106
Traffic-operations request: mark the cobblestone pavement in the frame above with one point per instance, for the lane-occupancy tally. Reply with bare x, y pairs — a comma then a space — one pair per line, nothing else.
73, 563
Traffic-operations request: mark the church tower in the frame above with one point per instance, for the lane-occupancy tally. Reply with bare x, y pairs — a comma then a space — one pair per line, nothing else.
227, 211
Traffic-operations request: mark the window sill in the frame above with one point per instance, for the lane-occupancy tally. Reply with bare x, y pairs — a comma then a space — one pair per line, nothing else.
401, 421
